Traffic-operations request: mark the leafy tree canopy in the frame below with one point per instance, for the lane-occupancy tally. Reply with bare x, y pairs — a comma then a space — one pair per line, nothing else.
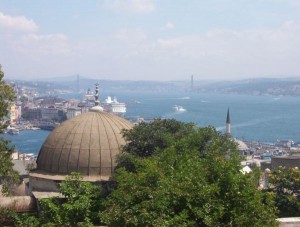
147, 138
7, 174
6, 96
80, 207
195, 181
284, 183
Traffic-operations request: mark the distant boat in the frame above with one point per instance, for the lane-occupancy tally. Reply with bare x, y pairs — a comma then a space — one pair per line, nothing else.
179, 108
13, 131
49, 126
186, 97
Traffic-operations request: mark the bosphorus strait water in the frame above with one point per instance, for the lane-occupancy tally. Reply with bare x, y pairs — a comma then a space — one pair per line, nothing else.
256, 118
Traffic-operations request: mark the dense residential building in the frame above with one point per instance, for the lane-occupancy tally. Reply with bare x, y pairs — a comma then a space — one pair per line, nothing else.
32, 114
49, 113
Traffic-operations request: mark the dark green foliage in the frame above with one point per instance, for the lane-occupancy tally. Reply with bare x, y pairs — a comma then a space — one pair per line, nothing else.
195, 181
6, 96
147, 138
189, 177
10, 218
284, 183
26, 220
80, 207
7, 174
6, 217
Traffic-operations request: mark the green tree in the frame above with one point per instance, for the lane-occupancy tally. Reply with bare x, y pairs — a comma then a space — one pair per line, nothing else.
284, 183
147, 138
6, 97
8, 175
24, 220
81, 205
195, 181
6, 217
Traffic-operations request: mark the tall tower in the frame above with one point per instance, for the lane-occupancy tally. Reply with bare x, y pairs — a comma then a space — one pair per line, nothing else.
77, 84
228, 124
192, 83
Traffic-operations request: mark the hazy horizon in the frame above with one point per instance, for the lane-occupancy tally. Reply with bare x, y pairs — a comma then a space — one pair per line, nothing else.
186, 80
150, 40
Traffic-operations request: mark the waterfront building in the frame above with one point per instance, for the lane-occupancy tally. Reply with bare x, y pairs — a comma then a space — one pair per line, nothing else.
284, 143
89, 99
32, 114
14, 113
53, 114
49, 113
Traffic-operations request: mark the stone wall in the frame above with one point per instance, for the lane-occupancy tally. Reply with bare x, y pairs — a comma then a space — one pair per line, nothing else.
289, 222
285, 161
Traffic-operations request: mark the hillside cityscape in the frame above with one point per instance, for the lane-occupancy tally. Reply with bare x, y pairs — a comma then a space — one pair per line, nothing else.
40, 106
130, 113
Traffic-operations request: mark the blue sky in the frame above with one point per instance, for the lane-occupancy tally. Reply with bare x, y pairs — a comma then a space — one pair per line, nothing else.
150, 39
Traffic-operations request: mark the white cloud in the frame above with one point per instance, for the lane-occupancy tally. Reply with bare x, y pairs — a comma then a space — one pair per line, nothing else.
134, 54
18, 23
44, 44
19, 35
130, 35
130, 6
42, 38
222, 53
169, 43
168, 26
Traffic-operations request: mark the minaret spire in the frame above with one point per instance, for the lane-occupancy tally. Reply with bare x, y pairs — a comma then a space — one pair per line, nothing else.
228, 124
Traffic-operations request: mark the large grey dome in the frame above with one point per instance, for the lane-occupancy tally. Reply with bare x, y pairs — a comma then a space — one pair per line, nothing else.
87, 144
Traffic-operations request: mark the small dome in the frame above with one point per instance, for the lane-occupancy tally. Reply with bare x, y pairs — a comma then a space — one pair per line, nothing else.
241, 145
87, 144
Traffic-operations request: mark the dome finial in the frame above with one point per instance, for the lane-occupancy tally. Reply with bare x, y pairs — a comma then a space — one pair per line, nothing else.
97, 107
97, 102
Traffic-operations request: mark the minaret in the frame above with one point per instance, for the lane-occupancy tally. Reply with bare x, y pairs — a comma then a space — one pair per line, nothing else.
228, 124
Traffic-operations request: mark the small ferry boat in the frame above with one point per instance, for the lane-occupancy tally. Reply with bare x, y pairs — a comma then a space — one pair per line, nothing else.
179, 108
12, 130
49, 126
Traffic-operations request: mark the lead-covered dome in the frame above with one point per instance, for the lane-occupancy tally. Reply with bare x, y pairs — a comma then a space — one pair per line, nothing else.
87, 144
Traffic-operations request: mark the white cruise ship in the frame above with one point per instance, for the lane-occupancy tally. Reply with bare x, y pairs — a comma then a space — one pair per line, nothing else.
113, 106
179, 108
